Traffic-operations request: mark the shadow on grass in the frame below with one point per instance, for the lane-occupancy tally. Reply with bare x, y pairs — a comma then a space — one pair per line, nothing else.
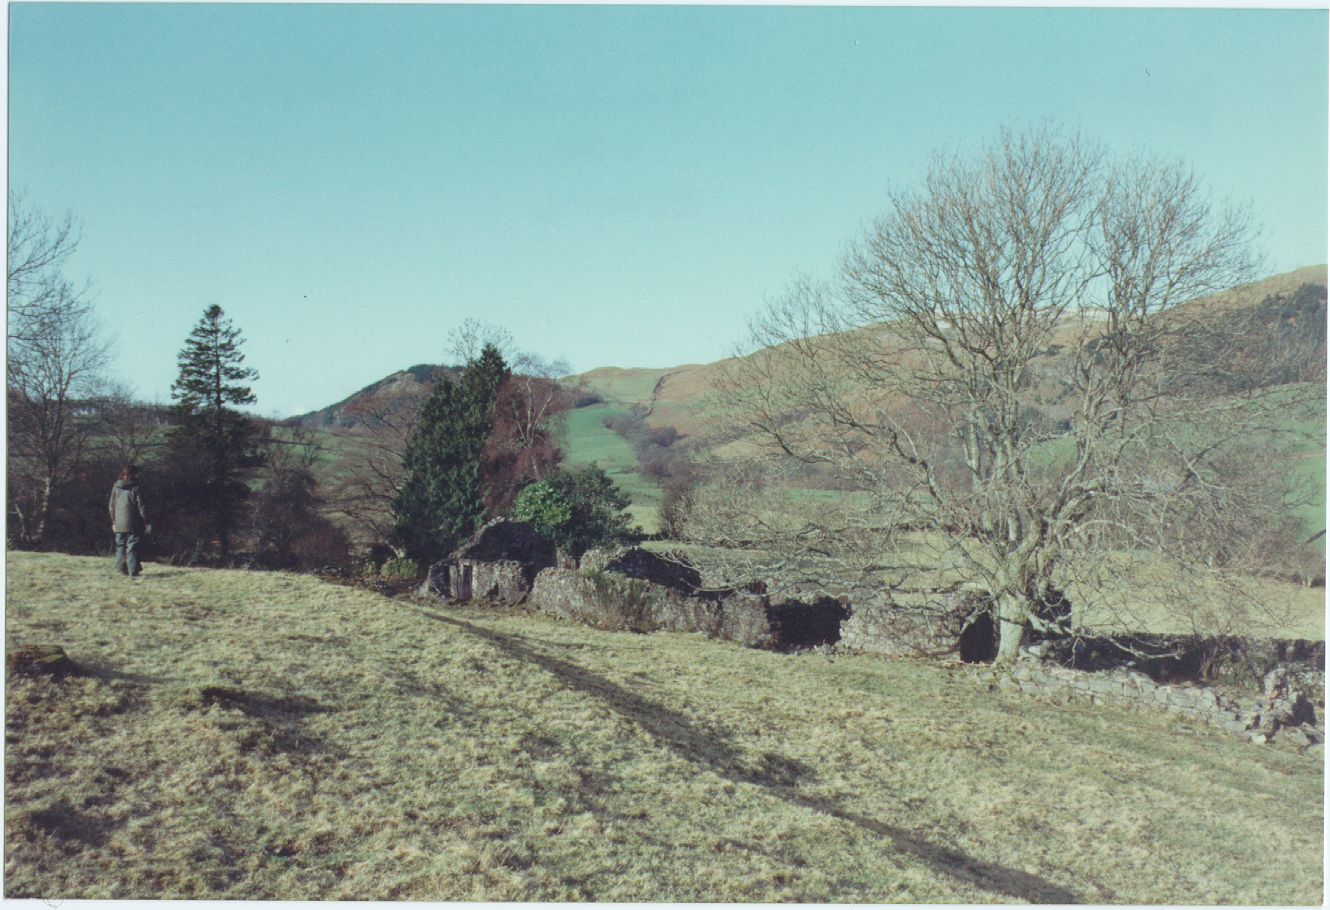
63, 822
106, 673
260, 705
280, 718
153, 571
780, 776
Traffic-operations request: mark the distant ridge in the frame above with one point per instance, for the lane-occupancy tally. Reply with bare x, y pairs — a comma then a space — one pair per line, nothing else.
404, 387
673, 395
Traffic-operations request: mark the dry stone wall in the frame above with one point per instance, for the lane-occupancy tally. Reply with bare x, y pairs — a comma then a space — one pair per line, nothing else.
895, 631
1286, 709
497, 565
606, 600
638, 590
502, 582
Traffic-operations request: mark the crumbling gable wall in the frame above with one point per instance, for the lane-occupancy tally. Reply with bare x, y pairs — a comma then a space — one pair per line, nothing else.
672, 572
498, 565
507, 540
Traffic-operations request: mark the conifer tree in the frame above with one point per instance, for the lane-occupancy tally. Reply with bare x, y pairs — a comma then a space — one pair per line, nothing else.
442, 498
213, 445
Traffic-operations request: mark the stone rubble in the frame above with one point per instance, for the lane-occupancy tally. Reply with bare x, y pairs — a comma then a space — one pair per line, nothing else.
1283, 712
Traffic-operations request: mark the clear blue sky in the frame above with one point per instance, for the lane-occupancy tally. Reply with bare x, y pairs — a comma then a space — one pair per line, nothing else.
615, 185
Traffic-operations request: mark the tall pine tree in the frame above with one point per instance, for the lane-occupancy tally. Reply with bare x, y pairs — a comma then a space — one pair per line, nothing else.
213, 445
442, 498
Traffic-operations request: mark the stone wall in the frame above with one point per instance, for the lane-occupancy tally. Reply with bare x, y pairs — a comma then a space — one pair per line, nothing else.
1286, 709
637, 591
962, 629
634, 562
605, 600
608, 600
505, 582
896, 631
1171, 658
497, 564
438, 580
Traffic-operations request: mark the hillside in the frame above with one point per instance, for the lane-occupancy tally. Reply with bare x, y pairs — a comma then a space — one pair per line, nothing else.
1294, 302
673, 395
267, 736
405, 388
678, 396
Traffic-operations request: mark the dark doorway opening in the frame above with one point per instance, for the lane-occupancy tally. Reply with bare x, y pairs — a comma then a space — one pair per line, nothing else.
979, 640
800, 625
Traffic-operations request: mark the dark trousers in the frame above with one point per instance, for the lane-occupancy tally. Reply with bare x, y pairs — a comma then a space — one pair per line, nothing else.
127, 553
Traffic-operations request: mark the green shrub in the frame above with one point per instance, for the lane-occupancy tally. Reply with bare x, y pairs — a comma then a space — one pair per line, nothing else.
576, 509
544, 507
400, 567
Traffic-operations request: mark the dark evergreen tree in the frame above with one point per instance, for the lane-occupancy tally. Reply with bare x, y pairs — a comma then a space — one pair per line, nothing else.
212, 449
443, 498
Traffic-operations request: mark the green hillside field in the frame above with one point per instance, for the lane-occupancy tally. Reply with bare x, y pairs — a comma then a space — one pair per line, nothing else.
237, 735
587, 440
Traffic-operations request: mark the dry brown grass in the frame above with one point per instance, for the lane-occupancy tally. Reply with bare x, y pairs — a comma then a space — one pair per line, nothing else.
244, 735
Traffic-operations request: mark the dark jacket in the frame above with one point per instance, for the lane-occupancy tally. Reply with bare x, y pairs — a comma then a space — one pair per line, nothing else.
126, 508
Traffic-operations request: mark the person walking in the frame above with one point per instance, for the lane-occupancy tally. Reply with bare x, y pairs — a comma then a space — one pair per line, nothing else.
129, 521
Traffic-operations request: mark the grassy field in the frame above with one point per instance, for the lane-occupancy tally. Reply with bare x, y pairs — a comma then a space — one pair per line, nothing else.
268, 736
586, 439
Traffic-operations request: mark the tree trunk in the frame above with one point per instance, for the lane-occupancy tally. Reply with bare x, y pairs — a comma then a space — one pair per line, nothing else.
20, 520
1013, 612
43, 512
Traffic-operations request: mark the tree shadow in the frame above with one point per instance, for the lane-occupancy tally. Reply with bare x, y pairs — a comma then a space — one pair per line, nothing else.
690, 739
260, 705
410, 684
280, 718
66, 823
105, 673
701, 743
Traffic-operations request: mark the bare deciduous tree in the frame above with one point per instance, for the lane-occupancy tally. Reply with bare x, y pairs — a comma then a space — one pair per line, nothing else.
56, 355
128, 430
371, 475
1013, 379
36, 251
289, 524
523, 444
